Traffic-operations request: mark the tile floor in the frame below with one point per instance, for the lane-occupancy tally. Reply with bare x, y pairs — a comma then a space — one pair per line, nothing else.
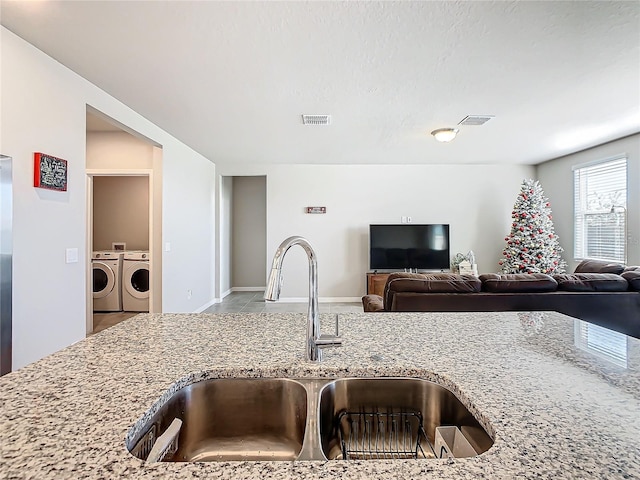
238, 302
254, 302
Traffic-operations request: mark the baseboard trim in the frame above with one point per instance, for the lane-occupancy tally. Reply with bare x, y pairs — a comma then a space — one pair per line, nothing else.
321, 299
248, 289
207, 305
340, 299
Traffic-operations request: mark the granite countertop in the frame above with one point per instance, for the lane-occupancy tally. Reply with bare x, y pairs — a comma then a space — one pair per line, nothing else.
556, 410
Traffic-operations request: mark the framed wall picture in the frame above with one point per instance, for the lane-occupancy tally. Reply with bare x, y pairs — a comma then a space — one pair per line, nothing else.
315, 209
49, 172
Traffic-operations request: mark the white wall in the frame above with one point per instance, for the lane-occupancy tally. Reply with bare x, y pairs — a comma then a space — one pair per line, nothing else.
43, 109
118, 151
189, 226
556, 178
121, 212
475, 200
249, 232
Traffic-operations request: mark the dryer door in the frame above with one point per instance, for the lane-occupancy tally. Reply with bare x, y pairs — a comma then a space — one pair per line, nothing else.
136, 279
104, 279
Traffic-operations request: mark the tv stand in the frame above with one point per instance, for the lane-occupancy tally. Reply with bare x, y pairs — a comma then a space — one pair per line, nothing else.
376, 282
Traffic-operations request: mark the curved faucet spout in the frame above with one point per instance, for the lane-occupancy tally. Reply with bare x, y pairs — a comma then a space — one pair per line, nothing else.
274, 283
315, 343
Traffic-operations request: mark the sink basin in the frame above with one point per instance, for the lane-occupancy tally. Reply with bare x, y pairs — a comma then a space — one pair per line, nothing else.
232, 419
305, 419
375, 418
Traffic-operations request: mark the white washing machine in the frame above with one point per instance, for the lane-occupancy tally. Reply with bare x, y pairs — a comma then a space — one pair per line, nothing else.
135, 281
107, 274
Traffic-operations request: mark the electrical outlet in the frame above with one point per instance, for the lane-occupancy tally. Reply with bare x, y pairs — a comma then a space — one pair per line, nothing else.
404, 219
408, 219
189, 294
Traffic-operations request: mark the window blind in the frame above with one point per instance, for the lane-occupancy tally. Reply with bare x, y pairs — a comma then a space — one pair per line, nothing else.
600, 210
600, 341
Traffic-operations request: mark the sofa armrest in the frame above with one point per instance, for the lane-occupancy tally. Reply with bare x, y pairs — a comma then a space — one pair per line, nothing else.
599, 266
372, 303
633, 278
591, 282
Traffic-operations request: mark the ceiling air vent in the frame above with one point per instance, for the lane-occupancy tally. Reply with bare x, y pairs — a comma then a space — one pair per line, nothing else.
316, 119
475, 119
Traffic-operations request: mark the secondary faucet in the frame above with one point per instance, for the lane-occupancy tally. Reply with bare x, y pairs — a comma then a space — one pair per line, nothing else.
315, 341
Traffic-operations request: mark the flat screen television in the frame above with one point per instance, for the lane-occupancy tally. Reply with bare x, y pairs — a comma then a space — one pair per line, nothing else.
398, 247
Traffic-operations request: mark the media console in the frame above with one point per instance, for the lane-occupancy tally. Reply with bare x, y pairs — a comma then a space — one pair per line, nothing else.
376, 282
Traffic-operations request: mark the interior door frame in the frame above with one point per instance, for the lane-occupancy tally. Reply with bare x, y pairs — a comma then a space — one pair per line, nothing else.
91, 173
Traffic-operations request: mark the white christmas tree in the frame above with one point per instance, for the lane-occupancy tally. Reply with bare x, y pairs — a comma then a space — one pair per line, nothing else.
532, 245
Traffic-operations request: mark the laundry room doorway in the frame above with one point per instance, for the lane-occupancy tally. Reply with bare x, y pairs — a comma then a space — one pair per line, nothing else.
124, 232
121, 225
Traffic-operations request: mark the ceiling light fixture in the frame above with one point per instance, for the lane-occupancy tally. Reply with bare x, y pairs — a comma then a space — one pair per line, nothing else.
445, 134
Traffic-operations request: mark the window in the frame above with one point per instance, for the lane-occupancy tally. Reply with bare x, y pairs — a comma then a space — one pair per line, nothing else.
600, 202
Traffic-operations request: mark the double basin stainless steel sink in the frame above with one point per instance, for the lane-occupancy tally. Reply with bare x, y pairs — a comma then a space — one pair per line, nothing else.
285, 419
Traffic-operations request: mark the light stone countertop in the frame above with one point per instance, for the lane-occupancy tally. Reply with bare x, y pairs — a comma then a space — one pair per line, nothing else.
557, 411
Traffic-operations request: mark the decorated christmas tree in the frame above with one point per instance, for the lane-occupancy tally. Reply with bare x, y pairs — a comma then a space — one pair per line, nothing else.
532, 245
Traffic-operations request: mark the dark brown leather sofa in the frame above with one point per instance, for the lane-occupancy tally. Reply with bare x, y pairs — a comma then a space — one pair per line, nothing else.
599, 292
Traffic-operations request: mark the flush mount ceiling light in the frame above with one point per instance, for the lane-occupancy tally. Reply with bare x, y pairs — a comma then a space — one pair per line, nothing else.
445, 134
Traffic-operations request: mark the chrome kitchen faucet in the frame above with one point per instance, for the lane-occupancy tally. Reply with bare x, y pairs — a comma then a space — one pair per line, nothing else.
315, 341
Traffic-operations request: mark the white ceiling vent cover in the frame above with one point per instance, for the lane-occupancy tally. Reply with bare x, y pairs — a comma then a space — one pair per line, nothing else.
316, 119
475, 119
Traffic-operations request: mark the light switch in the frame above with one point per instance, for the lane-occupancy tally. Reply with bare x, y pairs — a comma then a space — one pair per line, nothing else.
71, 255
167, 246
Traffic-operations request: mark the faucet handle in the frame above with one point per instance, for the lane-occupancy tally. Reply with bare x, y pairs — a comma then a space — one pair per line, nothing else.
325, 341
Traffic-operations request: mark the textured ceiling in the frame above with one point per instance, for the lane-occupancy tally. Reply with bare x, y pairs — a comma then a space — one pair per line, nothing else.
231, 79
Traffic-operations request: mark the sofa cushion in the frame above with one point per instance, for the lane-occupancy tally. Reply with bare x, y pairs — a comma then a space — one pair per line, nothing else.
428, 283
433, 283
517, 282
633, 279
599, 266
591, 282
632, 268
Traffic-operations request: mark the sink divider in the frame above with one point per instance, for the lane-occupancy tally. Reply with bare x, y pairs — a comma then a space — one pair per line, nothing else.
311, 447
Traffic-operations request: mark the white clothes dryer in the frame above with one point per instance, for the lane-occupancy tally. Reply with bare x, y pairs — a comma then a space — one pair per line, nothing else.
107, 274
135, 281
